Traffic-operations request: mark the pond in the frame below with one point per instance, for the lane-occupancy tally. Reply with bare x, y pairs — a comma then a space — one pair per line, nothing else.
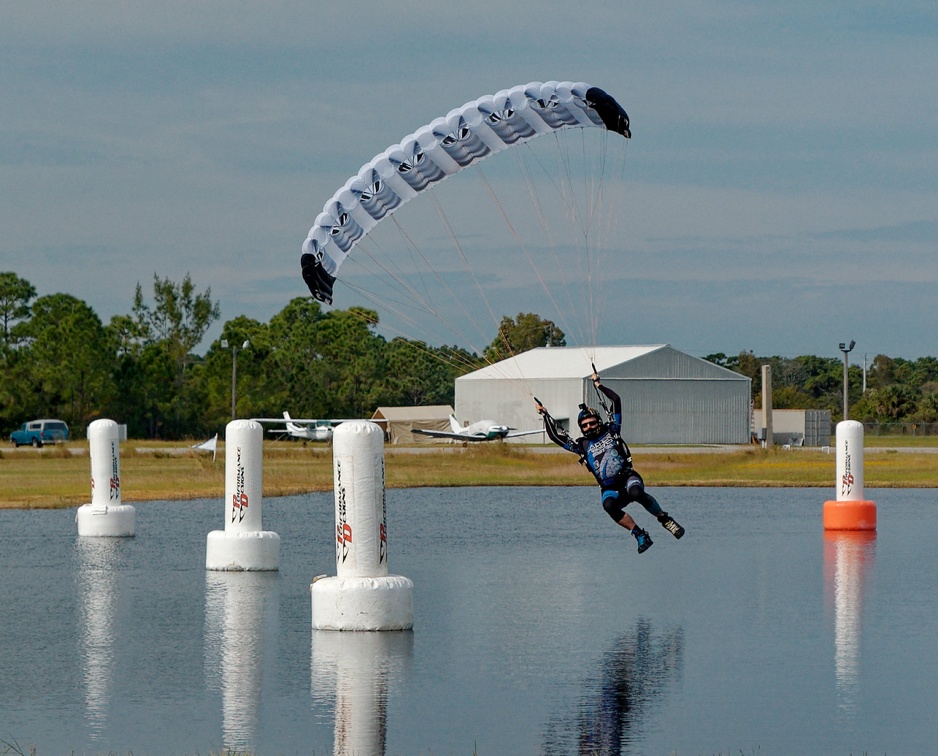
538, 629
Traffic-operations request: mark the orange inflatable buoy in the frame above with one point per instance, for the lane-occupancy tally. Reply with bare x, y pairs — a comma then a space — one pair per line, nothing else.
849, 515
851, 510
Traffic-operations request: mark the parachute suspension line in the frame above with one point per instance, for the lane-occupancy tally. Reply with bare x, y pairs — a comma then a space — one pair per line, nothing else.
425, 303
556, 263
517, 381
460, 334
588, 259
592, 211
561, 187
444, 219
414, 252
580, 202
594, 285
597, 229
422, 299
390, 268
556, 176
610, 207
597, 178
383, 302
453, 359
528, 157
580, 214
393, 273
457, 245
593, 191
524, 247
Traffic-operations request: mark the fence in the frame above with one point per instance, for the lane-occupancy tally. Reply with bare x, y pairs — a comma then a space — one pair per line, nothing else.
901, 429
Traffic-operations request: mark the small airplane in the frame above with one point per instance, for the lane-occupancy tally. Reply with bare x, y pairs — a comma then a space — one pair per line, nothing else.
483, 430
306, 428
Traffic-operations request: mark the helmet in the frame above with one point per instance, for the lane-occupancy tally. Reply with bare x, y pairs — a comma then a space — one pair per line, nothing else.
585, 413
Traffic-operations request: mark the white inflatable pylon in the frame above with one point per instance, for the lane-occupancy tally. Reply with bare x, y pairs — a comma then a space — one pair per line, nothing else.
851, 510
106, 515
362, 595
243, 544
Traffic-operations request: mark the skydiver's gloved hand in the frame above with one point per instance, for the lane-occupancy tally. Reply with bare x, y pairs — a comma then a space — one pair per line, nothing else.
541, 409
595, 379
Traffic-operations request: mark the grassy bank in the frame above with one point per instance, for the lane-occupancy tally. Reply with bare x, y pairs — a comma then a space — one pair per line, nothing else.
60, 477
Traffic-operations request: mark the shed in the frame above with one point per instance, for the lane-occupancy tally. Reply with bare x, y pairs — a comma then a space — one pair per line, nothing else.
795, 427
668, 397
399, 422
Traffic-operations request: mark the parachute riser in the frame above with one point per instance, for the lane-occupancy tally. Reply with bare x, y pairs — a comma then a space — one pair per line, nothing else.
599, 394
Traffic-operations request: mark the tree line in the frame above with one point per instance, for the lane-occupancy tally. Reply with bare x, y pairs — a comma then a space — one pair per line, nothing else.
889, 390
59, 360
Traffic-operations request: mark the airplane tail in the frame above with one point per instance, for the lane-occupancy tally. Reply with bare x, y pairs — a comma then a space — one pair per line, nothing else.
292, 427
454, 424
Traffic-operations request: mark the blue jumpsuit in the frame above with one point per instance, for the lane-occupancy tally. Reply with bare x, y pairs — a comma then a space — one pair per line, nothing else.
608, 457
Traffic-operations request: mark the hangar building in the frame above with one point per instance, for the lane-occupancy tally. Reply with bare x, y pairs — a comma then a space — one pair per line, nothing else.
668, 397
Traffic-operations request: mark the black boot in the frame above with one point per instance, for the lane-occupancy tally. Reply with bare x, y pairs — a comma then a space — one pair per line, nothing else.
644, 540
669, 524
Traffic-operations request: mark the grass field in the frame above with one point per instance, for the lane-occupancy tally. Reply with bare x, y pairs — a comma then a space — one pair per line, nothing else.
60, 477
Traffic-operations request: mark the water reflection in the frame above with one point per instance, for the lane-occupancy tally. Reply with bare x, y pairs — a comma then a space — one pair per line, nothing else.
236, 605
98, 564
630, 679
356, 669
114, 632
849, 557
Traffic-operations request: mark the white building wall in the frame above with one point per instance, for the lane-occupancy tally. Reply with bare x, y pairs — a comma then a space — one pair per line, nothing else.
698, 411
508, 402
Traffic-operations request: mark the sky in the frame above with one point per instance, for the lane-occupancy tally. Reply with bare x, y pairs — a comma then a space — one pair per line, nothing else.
782, 177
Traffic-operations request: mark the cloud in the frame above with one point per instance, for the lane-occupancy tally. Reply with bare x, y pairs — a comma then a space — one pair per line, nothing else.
781, 153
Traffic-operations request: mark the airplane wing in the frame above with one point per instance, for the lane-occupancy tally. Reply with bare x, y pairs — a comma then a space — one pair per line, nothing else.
447, 434
524, 433
307, 420
468, 437
278, 430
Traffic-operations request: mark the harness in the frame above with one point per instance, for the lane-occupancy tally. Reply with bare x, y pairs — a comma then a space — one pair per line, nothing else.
581, 446
619, 447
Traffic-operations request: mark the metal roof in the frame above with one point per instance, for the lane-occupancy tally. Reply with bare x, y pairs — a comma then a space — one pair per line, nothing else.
562, 362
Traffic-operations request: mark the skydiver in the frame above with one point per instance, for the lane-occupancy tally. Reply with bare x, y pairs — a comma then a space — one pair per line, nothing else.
607, 456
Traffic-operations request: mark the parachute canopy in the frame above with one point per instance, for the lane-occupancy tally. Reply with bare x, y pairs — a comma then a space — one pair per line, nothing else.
440, 149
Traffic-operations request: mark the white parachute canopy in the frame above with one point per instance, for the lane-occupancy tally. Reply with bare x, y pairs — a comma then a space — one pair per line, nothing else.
442, 148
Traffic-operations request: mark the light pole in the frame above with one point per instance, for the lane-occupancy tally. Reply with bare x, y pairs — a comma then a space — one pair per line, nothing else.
234, 373
846, 350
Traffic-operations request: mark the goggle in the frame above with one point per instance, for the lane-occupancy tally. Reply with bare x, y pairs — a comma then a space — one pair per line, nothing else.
589, 423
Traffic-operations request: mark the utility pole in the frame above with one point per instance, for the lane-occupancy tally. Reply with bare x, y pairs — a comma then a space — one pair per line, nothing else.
846, 350
234, 373
767, 405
